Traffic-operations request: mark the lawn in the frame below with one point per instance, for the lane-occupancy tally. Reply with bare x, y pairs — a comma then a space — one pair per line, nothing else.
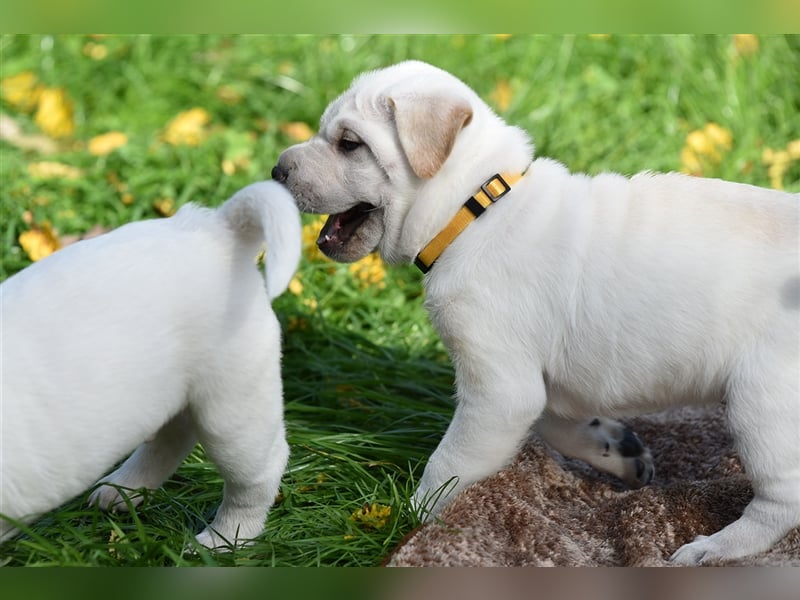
98, 131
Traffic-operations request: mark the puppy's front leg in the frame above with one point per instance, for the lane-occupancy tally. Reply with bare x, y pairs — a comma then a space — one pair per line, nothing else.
494, 415
149, 466
606, 444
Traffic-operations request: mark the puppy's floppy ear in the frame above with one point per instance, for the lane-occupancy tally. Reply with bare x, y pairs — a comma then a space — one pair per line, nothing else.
427, 127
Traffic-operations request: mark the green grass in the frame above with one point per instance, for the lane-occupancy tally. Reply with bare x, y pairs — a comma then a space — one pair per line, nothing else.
367, 383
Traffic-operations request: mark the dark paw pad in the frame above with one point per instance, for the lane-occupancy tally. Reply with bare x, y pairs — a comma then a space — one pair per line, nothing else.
630, 445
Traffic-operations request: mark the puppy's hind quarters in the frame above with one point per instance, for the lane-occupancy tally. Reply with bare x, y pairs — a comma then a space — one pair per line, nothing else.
266, 212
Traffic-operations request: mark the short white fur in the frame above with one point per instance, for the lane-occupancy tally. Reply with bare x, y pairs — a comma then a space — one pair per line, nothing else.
155, 335
576, 295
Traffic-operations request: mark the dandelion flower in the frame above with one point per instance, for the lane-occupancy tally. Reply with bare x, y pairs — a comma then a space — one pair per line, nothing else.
793, 148
95, 51
370, 271
164, 206
106, 143
21, 91
502, 95
53, 170
373, 516
188, 128
296, 286
705, 148
310, 234
777, 163
719, 136
745, 44
39, 242
297, 131
54, 114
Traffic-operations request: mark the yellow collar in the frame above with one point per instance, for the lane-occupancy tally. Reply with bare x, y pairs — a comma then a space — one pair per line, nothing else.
491, 191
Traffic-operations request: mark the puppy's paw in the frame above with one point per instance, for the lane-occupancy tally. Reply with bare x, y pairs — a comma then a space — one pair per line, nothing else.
213, 541
702, 549
428, 501
622, 452
637, 461
108, 496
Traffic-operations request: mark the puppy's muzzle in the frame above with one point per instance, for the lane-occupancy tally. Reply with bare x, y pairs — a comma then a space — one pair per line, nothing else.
279, 173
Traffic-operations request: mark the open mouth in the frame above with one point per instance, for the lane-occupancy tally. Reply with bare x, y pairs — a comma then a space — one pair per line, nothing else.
340, 228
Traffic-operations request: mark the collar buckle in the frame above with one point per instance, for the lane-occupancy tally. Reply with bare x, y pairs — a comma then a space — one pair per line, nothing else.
491, 191
486, 187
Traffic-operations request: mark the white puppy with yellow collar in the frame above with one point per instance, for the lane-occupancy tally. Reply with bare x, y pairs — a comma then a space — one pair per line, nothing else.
562, 296
159, 333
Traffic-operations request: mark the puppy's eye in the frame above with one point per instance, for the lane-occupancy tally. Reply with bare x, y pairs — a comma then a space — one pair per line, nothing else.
346, 145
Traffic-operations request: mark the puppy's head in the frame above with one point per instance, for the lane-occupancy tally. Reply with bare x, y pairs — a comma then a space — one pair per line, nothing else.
378, 144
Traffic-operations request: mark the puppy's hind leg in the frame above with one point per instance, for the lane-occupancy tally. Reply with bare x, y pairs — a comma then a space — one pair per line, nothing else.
606, 444
764, 417
246, 440
149, 465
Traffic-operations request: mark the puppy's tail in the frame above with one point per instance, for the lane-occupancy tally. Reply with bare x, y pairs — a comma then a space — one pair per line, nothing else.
265, 211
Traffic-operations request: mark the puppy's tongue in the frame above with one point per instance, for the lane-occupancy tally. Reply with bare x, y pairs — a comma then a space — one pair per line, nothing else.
338, 229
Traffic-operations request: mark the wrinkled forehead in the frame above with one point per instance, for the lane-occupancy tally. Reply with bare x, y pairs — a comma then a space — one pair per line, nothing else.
365, 97
368, 93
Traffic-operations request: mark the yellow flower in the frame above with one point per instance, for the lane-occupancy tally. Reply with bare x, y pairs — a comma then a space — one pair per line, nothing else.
238, 152
297, 131
777, 162
113, 540
53, 170
39, 242
704, 148
310, 235
21, 91
164, 206
373, 515
502, 95
95, 51
699, 142
297, 324
745, 44
793, 148
296, 286
370, 270
188, 128
719, 136
689, 161
229, 94
106, 143
54, 114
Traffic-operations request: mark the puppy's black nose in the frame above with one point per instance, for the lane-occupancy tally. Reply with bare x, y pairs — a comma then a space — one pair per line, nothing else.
279, 173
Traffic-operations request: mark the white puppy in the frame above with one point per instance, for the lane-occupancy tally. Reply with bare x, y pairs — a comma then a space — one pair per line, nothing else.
162, 331
573, 295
